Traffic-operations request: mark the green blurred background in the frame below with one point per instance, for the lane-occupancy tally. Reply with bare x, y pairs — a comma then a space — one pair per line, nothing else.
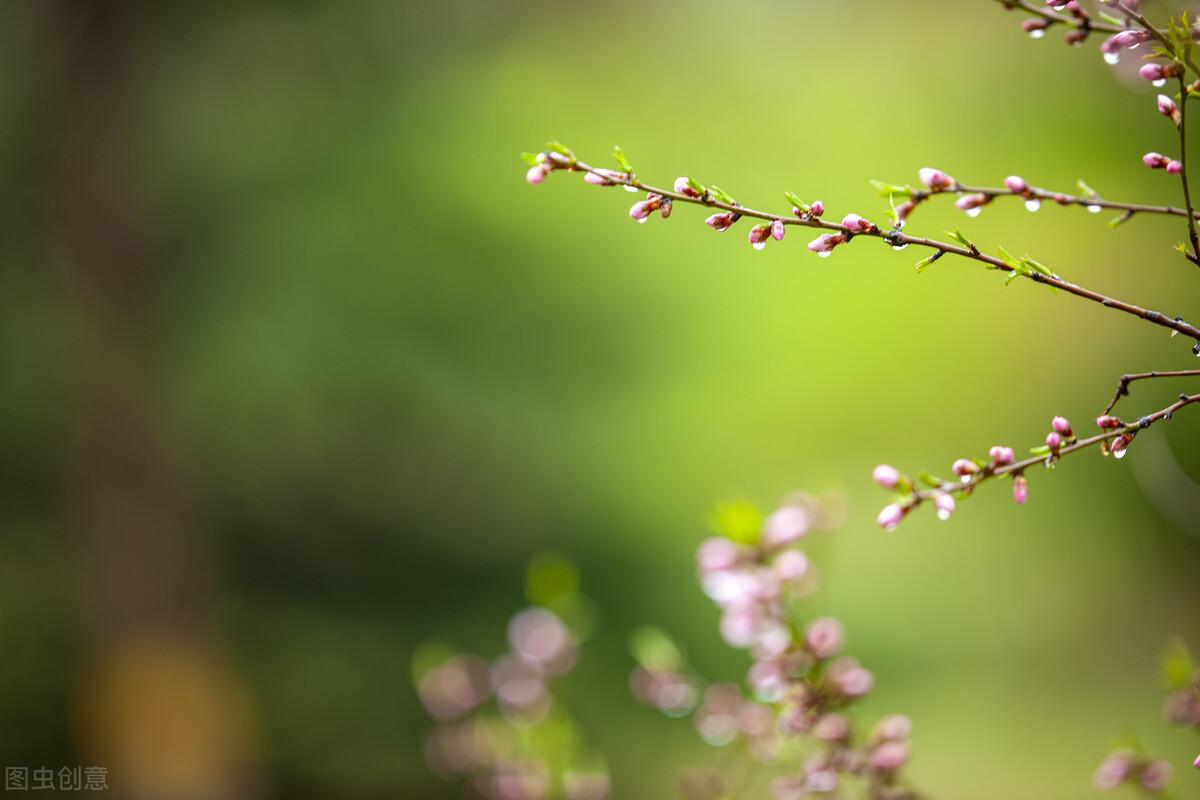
355, 372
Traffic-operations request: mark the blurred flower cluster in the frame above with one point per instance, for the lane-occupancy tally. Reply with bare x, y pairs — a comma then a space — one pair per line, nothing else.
498, 723
791, 715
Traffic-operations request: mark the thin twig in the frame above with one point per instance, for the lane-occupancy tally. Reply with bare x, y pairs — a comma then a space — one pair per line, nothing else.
1018, 467
897, 238
1060, 198
1061, 19
1183, 178
1123, 383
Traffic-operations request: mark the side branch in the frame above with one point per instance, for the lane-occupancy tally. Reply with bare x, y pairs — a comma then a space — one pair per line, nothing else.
1093, 203
1123, 383
894, 237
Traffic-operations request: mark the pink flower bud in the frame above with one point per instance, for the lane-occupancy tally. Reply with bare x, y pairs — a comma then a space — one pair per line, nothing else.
1121, 444
1155, 160
1075, 37
823, 245
856, 224
642, 211
935, 179
1057, 5
1062, 199
1053, 441
1155, 775
785, 525
1158, 73
904, 209
1167, 107
964, 468
1108, 422
889, 756
1062, 426
891, 516
1113, 770
895, 726
832, 728
972, 202
849, 679
944, 504
759, 235
1035, 27
604, 177
817, 208
720, 222
1016, 184
717, 554
1020, 490
537, 174
791, 566
683, 186
667, 206
1196, 763
777, 230
1001, 456
824, 637
1174, 167
886, 476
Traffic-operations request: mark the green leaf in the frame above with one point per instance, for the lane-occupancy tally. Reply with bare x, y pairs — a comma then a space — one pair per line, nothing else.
530, 158
929, 480
1041, 450
559, 148
622, 161
957, 236
796, 202
1110, 19
1178, 667
1181, 247
1037, 266
738, 520
1012, 276
721, 195
1087, 190
1012, 261
924, 263
695, 185
892, 190
655, 650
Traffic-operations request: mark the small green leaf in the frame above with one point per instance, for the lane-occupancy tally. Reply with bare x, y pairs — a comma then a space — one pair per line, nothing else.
795, 200
1037, 266
924, 263
1041, 450
559, 148
655, 650
892, 190
1087, 190
530, 158
721, 195
1012, 261
1181, 247
1178, 667
695, 185
1110, 19
622, 161
1012, 276
957, 236
929, 480
738, 520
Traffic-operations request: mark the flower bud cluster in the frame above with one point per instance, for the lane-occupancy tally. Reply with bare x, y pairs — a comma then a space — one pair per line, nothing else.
1125, 767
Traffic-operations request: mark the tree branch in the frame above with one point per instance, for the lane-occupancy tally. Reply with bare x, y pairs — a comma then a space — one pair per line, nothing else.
894, 237
1183, 178
1123, 383
1060, 198
1061, 19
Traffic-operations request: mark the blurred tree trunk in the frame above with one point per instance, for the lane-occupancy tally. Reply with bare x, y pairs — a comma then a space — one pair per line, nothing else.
158, 705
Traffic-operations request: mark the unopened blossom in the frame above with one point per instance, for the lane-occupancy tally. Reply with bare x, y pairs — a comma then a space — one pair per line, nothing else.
832, 728
721, 222
767, 680
717, 554
889, 756
824, 637
817, 208
1113, 770
1062, 199
935, 179
972, 203
1121, 444
823, 245
1054, 440
1157, 74
1016, 184
1196, 763
886, 476
683, 185
1001, 456
1156, 774
785, 525
894, 726
740, 625
944, 504
759, 235
849, 679
1112, 46
1062, 427
1168, 108
1075, 37
777, 230
1035, 27
541, 638
642, 211
791, 566
537, 173
1107, 422
891, 516
964, 468
1155, 160
856, 224
904, 209
1174, 166
604, 177
1020, 490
